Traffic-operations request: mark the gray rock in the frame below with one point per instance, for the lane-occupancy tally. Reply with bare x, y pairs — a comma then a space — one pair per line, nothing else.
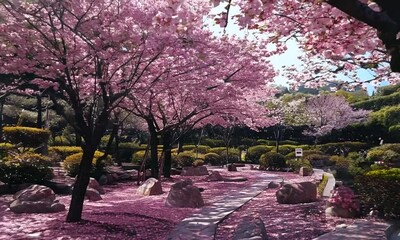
36, 199
95, 185
150, 187
93, 195
103, 180
339, 212
293, 193
125, 177
274, 184
214, 177
305, 171
194, 171
36, 193
250, 228
232, 168
235, 179
184, 194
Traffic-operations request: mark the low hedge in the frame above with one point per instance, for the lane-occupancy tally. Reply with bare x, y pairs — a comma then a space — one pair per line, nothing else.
4, 148
341, 148
200, 148
212, 142
61, 152
185, 159
27, 136
380, 190
25, 167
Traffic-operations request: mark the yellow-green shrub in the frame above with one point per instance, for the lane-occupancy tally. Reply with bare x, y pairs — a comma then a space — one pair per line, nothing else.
72, 162
27, 167
272, 161
254, 153
61, 152
27, 136
213, 159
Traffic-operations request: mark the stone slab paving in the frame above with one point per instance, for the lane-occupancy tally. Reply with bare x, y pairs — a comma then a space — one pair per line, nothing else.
203, 224
330, 184
361, 230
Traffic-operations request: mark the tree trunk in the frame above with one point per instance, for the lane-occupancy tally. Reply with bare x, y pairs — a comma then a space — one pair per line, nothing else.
79, 191
167, 154
39, 121
78, 139
180, 144
2, 101
153, 151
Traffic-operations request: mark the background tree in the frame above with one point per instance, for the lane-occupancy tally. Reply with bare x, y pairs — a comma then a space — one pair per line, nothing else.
327, 112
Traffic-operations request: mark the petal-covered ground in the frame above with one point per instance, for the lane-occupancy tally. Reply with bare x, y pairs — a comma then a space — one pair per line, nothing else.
122, 214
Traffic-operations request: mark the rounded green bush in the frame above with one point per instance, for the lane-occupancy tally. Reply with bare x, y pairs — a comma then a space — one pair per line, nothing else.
213, 159
295, 165
198, 163
27, 167
185, 159
72, 162
200, 148
272, 161
61, 152
254, 153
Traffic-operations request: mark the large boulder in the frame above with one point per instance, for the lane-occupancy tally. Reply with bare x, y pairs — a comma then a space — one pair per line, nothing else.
93, 195
214, 177
293, 193
305, 171
194, 171
250, 228
36, 199
184, 194
151, 186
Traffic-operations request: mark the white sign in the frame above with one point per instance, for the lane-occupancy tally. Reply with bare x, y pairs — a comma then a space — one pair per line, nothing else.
298, 152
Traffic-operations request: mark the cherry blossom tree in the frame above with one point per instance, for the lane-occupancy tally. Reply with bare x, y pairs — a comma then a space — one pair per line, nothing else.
92, 53
350, 34
327, 112
216, 79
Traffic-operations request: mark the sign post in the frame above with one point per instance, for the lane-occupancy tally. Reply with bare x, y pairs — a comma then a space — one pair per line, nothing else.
298, 152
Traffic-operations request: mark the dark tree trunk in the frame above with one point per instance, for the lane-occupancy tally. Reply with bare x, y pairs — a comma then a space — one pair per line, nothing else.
153, 151
167, 154
39, 121
180, 144
79, 191
2, 101
78, 139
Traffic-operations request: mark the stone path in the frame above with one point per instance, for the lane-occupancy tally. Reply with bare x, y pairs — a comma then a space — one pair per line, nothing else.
330, 185
203, 224
361, 229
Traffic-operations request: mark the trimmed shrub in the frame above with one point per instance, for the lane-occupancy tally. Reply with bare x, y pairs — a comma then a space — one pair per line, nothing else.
185, 159
27, 136
289, 142
342, 166
341, 148
127, 149
380, 190
201, 148
60, 141
295, 165
391, 146
265, 142
213, 159
254, 153
61, 152
286, 149
198, 163
72, 162
212, 142
25, 167
4, 148
248, 142
272, 161
306, 153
